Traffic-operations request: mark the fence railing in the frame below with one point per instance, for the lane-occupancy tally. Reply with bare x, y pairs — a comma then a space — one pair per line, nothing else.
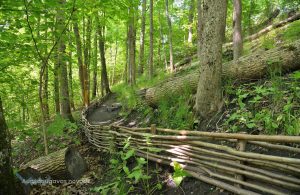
239, 163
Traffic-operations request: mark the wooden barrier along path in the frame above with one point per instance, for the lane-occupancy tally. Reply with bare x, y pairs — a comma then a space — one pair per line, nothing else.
239, 163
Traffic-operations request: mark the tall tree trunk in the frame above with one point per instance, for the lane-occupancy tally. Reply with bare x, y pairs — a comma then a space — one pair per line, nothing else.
191, 19
56, 83
151, 68
209, 90
199, 26
79, 59
104, 77
237, 29
126, 72
45, 96
172, 67
162, 41
65, 109
115, 63
250, 28
70, 67
7, 180
95, 68
142, 39
86, 64
131, 47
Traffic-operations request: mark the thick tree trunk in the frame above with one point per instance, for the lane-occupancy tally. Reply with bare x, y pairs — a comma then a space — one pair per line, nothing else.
7, 180
209, 90
249, 67
151, 68
142, 39
104, 77
172, 68
63, 164
191, 19
237, 29
65, 109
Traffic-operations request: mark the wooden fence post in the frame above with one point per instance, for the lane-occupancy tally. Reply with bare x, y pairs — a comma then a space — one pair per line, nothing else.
240, 146
153, 131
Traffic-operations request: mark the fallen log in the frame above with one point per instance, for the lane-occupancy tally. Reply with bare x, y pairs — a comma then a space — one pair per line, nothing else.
60, 165
253, 66
268, 29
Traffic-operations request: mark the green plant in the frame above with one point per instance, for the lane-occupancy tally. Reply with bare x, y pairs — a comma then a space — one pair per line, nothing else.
60, 126
179, 174
127, 178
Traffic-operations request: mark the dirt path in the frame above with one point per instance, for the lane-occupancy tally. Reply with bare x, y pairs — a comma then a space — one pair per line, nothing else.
107, 112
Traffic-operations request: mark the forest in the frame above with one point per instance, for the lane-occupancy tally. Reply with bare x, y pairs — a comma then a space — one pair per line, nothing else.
149, 97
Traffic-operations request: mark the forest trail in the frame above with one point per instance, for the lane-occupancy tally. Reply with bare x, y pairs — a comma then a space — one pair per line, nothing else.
106, 113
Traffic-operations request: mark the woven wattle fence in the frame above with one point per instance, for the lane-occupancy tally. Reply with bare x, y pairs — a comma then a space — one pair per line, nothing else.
239, 163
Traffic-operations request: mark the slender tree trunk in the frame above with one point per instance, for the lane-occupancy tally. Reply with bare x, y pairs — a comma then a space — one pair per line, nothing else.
131, 47
162, 42
79, 59
7, 180
104, 77
142, 39
45, 95
86, 64
209, 91
250, 28
115, 63
172, 68
95, 68
151, 68
65, 110
191, 19
70, 67
125, 73
237, 29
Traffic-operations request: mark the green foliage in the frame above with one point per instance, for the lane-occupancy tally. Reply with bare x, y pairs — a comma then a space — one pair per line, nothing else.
179, 174
292, 32
270, 107
175, 112
127, 178
61, 126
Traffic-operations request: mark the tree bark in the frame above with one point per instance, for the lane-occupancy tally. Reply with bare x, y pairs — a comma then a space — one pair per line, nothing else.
86, 64
104, 77
95, 67
72, 104
80, 60
237, 29
209, 91
142, 39
151, 68
7, 180
249, 67
191, 19
131, 48
65, 109
172, 68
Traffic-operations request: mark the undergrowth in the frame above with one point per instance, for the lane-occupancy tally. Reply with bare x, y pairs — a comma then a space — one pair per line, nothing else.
269, 106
